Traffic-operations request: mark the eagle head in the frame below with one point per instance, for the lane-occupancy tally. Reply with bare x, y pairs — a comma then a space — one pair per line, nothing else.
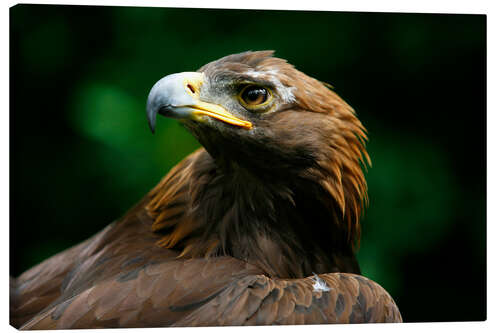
260, 112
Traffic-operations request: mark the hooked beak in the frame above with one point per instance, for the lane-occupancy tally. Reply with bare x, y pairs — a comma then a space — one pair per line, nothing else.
177, 96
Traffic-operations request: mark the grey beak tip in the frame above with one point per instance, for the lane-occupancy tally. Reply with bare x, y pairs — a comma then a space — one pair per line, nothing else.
166, 93
152, 126
151, 113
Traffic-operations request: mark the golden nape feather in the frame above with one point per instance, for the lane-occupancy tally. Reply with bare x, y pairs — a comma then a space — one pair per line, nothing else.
258, 227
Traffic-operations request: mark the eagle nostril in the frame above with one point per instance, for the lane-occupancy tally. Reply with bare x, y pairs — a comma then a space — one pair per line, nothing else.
191, 88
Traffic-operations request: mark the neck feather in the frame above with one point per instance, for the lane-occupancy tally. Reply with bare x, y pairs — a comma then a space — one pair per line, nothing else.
288, 227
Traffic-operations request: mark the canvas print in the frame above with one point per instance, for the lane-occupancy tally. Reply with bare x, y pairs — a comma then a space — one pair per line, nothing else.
219, 167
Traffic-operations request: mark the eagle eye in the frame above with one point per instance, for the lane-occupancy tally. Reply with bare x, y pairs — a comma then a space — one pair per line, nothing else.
253, 96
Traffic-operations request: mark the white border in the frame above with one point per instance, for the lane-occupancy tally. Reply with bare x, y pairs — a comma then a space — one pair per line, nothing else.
422, 6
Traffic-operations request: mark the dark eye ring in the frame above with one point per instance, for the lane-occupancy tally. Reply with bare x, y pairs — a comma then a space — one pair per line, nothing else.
253, 96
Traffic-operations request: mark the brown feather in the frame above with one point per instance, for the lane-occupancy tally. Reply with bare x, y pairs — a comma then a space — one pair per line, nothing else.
233, 233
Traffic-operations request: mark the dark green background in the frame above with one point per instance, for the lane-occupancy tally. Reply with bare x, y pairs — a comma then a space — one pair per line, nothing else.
81, 152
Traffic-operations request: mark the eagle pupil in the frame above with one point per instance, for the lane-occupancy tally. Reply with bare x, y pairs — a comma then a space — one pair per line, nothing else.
255, 95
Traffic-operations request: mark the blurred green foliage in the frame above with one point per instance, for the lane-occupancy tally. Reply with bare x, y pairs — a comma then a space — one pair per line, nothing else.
82, 154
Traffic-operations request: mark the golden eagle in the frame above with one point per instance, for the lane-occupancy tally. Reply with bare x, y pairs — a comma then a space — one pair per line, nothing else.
258, 227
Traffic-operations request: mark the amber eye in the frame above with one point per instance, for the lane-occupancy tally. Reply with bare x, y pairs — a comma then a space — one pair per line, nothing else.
253, 96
